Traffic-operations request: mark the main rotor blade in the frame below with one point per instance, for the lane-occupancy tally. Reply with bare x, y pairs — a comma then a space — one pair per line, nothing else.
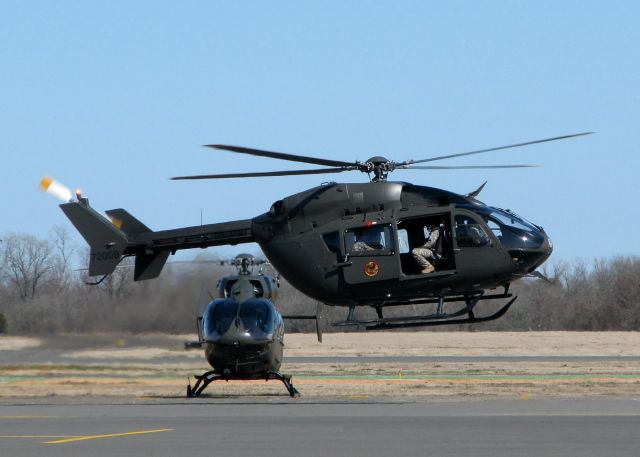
464, 167
263, 174
409, 162
283, 156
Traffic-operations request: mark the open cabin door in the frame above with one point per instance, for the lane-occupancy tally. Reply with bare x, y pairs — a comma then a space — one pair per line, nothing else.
415, 231
370, 254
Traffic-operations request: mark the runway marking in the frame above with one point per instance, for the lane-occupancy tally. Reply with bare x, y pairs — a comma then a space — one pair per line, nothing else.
110, 435
36, 417
38, 436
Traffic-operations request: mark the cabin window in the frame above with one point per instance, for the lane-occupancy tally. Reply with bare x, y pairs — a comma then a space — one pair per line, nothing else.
227, 285
332, 241
403, 241
372, 240
469, 234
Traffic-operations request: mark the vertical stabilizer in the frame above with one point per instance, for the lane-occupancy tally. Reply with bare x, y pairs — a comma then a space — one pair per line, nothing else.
107, 243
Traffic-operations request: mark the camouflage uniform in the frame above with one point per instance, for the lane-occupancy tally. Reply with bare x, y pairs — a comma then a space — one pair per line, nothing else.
425, 253
361, 246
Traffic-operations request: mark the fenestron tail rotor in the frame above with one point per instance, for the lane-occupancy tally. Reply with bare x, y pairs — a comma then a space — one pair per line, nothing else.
378, 166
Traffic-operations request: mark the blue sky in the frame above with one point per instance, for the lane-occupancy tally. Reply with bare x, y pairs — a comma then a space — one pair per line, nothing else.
116, 97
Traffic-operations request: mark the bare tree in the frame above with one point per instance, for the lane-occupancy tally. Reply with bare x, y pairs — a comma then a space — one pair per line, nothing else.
36, 279
64, 250
27, 263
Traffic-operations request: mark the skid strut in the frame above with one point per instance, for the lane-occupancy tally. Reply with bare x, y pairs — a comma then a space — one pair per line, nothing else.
203, 381
463, 315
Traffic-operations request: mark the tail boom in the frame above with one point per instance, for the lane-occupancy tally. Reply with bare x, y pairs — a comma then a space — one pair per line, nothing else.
112, 240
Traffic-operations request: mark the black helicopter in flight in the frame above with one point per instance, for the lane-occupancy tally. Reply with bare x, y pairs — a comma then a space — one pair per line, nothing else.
314, 240
241, 331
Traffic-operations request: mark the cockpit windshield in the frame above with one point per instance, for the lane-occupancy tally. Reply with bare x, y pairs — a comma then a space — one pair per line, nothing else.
254, 318
219, 316
512, 220
513, 231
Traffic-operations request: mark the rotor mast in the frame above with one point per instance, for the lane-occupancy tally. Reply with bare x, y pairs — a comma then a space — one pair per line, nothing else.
380, 167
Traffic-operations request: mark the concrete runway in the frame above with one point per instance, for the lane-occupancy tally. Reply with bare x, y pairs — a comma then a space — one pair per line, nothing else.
264, 425
280, 426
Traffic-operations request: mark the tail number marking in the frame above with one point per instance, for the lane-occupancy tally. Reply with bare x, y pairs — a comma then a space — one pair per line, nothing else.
107, 255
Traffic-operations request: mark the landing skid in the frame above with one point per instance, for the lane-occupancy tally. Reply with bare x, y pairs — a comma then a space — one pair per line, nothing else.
203, 381
431, 320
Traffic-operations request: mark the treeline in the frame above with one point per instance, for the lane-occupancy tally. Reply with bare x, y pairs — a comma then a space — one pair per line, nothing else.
41, 293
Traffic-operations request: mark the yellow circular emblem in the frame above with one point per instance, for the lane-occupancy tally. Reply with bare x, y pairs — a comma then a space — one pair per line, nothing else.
371, 268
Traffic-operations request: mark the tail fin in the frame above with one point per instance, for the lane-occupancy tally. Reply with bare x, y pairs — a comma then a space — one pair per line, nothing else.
108, 240
107, 243
124, 235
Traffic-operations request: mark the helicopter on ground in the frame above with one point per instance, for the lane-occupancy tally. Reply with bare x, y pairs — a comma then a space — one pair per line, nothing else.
241, 331
311, 237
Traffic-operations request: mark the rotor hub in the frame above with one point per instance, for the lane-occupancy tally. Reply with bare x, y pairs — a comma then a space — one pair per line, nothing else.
380, 167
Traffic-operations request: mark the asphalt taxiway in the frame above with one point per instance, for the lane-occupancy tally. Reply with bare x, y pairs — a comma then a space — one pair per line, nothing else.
280, 426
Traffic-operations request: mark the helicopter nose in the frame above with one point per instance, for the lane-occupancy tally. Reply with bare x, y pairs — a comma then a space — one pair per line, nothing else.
238, 335
234, 336
528, 259
545, 250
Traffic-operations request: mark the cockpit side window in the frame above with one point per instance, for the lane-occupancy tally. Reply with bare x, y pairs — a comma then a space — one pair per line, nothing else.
495, 228
373, 240
258, 290
469, 233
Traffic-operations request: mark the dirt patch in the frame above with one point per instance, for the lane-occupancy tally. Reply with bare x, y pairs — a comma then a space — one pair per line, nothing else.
519, 380
465, 344
17, 343
128, 368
